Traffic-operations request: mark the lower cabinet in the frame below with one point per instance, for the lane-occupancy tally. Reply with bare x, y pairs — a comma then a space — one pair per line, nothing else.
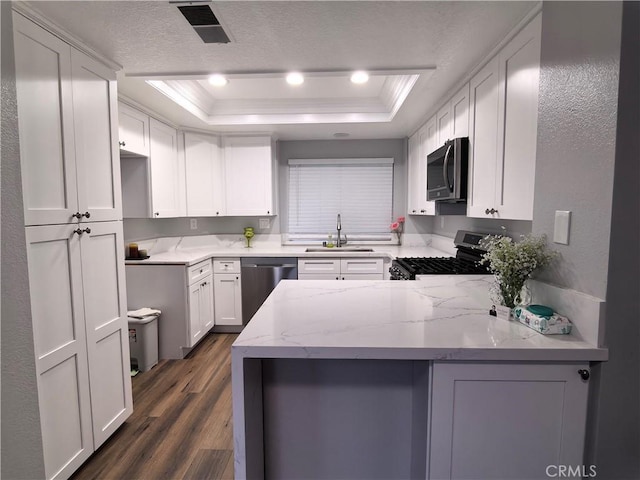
506, 420
81, 342
227, 291
185, 297
340, 269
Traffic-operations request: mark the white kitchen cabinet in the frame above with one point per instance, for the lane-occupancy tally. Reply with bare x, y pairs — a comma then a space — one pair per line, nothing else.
204, 175
81, 338
444, 125
460, 113
500, 420
153, 185
227, 291
503, 128
249, 176
419, 145
201, 318
133, 131
340, 268
67, 119
167, 172
184, 295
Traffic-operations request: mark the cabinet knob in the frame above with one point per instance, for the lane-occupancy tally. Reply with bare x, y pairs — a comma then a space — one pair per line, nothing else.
413, 211
237, 278
584, 374
78, 231
268, 212
217, 213
490, 211
422, 211
122, 144
337, 278
87, 230
86, 215
157, 214
77, 215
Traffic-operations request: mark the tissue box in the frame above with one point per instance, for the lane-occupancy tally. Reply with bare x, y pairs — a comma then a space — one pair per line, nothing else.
547, 325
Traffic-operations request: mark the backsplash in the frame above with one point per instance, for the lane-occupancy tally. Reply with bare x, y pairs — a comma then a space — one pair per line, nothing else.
447, 226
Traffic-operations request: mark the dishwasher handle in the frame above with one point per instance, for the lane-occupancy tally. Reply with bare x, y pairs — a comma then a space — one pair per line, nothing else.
278, 265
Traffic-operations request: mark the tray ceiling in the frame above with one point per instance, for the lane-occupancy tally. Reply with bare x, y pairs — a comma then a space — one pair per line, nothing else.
415, 52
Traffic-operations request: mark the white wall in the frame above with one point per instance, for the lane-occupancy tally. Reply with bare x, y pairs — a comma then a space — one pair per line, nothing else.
21, 442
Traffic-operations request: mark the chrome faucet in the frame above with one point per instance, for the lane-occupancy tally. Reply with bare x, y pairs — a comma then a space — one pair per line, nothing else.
340, 242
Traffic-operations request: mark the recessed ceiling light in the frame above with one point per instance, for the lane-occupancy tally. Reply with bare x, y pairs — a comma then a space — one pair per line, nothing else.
360, 77
218, 80
295, 78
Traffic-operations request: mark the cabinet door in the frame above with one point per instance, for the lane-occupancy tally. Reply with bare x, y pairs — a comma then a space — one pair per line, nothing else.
248, 172
518, 121
167, 176
318, 276
228, 299
483, 140
443, 125
460, 113
498, 420
133, 131
195, 314
428, 139
413, 158
45, 122
204, 175
361, 276
97, 155
107, 329
207, 305
57, 308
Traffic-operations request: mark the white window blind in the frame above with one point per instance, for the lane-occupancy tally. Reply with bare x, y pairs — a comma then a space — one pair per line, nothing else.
360, 190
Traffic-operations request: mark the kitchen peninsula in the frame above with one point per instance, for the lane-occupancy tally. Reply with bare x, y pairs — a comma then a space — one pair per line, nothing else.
379, 379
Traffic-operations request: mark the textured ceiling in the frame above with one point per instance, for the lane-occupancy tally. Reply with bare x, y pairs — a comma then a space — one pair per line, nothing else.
152, 38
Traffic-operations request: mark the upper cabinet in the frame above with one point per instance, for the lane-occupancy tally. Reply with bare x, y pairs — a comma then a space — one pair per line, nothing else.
204, 174
459, 126
249, 178
419, 146
152, 171
167, 172
133, 131
503, 130
67, 114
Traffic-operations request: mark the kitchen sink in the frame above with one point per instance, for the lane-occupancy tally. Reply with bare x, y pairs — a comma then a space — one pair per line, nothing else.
337, 250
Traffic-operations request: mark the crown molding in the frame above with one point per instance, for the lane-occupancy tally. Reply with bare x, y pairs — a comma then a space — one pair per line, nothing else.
31, 13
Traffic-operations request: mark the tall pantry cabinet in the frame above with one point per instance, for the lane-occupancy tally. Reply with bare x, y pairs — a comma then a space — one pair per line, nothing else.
67, 115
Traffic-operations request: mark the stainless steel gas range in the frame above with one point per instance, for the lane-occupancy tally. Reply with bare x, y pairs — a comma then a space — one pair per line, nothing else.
466, 261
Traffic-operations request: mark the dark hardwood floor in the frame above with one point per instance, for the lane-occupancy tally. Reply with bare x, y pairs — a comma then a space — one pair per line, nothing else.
181, 426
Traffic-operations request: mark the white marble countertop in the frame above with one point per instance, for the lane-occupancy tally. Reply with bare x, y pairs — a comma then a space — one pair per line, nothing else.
192, 255
442, 317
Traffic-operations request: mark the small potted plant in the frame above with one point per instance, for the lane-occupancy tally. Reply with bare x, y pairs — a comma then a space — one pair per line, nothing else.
512, 264
397, 227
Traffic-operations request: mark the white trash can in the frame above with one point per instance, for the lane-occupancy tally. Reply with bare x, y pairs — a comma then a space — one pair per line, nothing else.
143, 342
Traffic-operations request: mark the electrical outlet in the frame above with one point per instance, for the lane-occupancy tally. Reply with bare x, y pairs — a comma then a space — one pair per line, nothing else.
194, 224
265, 223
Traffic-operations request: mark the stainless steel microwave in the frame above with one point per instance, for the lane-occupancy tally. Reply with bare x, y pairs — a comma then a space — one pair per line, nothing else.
447, 171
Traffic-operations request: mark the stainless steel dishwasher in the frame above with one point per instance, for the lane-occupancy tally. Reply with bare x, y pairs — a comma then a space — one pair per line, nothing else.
259, 277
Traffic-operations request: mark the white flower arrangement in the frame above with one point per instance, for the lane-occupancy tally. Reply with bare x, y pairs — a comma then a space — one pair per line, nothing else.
512, 263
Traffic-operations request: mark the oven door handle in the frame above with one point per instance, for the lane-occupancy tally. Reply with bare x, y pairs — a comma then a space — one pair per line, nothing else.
445, 169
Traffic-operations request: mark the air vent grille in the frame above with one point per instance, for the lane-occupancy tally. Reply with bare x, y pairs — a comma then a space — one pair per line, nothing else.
205, 23
198, 15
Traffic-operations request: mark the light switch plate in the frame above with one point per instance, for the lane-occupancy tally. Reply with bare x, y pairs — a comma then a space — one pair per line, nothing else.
561, 227
264, 223
194, 224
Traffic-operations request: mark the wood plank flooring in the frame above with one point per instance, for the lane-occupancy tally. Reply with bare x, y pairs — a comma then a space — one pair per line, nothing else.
181, 426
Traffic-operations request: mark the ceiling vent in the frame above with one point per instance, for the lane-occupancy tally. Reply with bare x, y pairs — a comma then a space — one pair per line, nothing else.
204, 22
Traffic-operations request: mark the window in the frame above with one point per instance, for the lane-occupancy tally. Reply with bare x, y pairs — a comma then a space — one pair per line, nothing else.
359, 189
